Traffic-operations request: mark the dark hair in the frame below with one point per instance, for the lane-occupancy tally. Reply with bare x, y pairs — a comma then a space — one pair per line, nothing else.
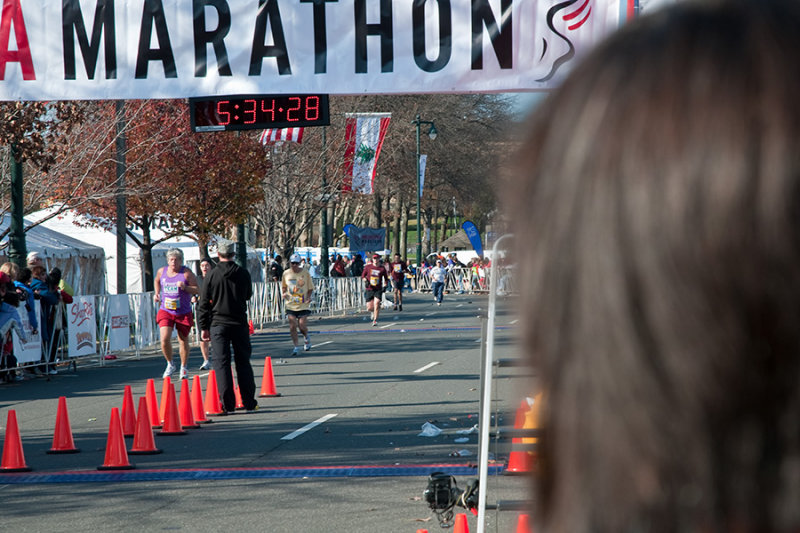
658, 207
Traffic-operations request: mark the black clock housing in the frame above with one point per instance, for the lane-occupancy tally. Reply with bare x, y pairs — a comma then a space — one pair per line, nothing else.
252, 112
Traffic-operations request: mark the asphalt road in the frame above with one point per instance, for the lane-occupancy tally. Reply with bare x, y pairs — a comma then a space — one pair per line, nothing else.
338, 451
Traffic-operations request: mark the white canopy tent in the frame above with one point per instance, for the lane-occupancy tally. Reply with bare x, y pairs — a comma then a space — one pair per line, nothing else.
82, 264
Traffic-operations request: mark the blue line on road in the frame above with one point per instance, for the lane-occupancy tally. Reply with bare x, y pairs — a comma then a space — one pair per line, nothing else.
211, 474
373, 331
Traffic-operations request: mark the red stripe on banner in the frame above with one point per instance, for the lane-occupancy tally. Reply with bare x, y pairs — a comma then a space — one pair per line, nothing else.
381, 137
298, 135
575, 13
349, 153
579, 24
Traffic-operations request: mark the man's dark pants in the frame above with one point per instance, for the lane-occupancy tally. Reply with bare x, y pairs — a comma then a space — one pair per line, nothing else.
222, 338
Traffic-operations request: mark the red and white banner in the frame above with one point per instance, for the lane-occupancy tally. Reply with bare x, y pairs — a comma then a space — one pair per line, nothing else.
281, 135
364, 134
115, 49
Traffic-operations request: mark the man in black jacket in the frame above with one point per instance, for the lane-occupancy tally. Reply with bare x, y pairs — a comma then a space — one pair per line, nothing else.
223, 320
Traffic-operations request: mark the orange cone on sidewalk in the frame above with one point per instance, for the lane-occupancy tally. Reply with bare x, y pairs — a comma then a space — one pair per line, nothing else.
143, 441
13, 457
62, 436
172, 420
164, 395
198, 410
185, 407
250, 328
523, 526
116, 456
152, 404
212, 405
461, 525
128, 414
268, 380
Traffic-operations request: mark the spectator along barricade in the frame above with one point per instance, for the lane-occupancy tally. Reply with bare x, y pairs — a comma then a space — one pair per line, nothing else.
99, 328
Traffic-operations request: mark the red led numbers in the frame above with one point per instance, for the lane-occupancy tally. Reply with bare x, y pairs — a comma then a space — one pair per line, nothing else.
245, 112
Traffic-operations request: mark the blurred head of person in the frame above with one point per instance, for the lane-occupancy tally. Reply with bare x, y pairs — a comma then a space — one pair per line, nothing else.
657, 208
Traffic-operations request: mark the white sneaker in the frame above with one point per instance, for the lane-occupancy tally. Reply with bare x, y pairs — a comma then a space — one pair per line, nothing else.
307, 345
169, 370
184, 372
206, 365
295, 351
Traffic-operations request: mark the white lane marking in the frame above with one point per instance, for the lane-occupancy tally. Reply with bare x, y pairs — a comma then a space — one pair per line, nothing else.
460, 305
430, 314
321, 344
307, 427
514, 321
388, 325
426, 367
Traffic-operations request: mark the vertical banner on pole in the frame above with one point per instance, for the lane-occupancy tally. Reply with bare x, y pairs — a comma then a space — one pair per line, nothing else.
28, 351
423, 161
82, 325
119, 332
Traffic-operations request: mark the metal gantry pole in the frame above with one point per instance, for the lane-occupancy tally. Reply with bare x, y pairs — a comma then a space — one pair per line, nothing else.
486, 405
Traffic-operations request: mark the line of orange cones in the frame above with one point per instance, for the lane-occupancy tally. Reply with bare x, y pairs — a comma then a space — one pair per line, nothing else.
461, 525
170, 416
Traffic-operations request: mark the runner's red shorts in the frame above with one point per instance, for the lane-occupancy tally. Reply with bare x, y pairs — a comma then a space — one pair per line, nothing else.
182, 323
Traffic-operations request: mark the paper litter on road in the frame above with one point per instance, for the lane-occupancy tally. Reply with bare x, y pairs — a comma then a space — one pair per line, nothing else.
470, 431
429, 430
461, 440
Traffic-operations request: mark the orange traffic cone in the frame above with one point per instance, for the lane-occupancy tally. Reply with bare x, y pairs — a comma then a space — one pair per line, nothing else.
521, 461
62, 436
238, 395
172, 421
185, 407
461, 525
522, 524
268, 380
519, 419
128, 414
116, 456
198, 411
152, 404
422, 531
13, 457
143, 441
250, 328
164, 394
212, 404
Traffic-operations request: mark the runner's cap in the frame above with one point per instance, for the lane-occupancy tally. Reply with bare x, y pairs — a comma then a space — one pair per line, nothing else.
295, 258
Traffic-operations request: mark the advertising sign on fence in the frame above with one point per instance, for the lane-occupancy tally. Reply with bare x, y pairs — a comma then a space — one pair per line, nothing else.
119, 331
82, 326
28, 351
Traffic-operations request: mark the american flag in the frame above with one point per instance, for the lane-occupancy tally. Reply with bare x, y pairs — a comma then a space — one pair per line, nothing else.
280, 135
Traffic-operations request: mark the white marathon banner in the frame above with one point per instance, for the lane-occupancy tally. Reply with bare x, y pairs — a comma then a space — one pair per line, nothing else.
140, 49
119, 333
82, 326
29, 351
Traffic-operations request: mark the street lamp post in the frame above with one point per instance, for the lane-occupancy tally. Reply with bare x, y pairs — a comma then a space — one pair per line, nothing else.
432, 135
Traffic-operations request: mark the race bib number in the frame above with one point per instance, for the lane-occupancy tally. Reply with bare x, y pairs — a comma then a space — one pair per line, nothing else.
374, 278
397, 268
171, 304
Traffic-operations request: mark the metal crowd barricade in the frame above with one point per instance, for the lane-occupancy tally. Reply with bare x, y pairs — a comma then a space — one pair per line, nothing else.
331, 296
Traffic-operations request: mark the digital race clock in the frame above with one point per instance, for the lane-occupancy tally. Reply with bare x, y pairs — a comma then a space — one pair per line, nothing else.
220, 113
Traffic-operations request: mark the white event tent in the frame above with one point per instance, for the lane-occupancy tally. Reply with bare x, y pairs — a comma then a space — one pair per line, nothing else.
81, 263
